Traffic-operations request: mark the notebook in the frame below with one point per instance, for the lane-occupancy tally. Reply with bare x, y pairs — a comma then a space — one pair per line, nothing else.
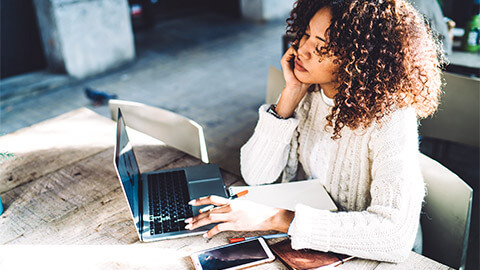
287, 195
304, 259
158, 200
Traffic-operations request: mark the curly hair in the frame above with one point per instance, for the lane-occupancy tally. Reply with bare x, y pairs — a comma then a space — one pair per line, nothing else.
387, 57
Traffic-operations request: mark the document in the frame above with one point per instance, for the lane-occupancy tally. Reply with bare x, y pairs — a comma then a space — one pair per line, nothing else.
287, 195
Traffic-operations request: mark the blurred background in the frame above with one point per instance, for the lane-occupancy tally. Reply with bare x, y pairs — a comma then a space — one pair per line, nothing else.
207, 60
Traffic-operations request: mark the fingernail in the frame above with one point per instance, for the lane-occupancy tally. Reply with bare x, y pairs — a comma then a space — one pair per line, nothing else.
205, 235
188, 220
188, 227
191, 202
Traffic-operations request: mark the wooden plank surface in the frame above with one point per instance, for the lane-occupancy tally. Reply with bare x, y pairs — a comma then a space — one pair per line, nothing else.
53, 144
63, 190
76, 194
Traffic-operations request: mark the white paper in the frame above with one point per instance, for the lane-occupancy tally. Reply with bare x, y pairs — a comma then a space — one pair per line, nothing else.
287, 195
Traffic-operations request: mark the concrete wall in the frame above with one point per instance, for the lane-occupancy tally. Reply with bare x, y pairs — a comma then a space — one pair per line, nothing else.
261, 10
47, 25
85, 37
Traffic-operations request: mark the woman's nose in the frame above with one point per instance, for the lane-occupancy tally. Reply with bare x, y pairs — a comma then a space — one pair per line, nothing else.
303, 49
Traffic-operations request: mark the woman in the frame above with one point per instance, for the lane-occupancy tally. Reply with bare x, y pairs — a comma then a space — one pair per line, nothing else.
363, 71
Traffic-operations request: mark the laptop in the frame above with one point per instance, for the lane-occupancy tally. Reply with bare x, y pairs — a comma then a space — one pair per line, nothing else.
158, 200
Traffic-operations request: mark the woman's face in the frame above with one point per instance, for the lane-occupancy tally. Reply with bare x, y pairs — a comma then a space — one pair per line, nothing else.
309, 66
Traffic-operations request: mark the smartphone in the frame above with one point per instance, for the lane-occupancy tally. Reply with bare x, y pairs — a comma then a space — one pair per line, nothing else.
233, 256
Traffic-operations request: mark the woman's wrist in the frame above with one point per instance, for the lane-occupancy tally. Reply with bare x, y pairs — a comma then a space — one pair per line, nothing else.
281, 220
286, 104
289, 100
273, 112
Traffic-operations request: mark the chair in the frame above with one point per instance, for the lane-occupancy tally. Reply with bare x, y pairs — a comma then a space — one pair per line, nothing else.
169, 127
446, 214
275, 85
457, 118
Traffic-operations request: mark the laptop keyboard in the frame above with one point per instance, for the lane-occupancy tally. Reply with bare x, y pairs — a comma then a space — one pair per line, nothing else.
168, 202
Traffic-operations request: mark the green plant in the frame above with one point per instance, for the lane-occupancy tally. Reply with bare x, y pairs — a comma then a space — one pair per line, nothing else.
4, 156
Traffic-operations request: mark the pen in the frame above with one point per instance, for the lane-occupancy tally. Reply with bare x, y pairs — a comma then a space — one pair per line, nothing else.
210, 207
270, 236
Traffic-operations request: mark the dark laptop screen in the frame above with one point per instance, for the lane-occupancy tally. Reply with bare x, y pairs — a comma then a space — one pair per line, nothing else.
127, 168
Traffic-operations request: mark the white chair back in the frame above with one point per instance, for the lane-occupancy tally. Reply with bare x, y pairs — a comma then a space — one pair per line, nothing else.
275, 85
446, 214
171, 128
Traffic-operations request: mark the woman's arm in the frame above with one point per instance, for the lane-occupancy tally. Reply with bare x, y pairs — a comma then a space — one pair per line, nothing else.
294, 90
265, 155
386, 230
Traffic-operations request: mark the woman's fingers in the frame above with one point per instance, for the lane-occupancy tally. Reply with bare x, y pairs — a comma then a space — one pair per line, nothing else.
287, 63
287, 58
218, 228
212, 199
205, 219
217, 210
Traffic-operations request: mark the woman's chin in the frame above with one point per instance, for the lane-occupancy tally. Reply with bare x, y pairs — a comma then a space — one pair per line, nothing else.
301, 76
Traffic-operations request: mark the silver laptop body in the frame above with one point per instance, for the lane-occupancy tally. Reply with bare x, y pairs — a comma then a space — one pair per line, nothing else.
202, 180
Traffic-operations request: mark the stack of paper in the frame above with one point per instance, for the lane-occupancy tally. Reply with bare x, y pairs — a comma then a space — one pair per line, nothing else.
287, 195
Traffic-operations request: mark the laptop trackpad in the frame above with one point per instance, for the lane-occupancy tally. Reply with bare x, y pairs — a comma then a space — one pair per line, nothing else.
206, 188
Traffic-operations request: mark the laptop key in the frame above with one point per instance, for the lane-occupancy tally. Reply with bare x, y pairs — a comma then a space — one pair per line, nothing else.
169, 200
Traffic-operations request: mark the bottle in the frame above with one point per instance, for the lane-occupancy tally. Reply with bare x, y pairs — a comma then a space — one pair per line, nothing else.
1, 206
471, 41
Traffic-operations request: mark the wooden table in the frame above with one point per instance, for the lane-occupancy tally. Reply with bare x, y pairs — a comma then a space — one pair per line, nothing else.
61, 194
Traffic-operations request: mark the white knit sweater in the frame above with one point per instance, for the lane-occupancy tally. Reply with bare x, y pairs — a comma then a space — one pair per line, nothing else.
373, 175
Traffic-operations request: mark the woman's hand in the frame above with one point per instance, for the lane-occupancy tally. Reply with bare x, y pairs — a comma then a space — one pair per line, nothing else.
287, 63
294, 90
239, 215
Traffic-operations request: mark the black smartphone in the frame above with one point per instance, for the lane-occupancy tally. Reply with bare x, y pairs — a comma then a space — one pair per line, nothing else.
233, 256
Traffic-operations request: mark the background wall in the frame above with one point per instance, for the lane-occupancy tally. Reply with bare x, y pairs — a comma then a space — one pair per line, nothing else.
20, 44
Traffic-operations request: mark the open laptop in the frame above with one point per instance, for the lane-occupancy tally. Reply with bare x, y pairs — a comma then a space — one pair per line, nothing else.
159, 200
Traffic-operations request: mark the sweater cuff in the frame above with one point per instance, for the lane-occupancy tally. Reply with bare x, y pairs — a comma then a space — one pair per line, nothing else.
274, 128
310, 228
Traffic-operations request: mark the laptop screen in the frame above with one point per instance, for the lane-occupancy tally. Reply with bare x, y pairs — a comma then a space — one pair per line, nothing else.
127, 168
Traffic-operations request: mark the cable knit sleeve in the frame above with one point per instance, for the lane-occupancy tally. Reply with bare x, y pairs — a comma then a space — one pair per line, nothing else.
265, 154
386, 229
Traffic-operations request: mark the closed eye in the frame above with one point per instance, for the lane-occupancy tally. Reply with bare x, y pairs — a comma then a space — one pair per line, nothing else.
317, 37
321, 39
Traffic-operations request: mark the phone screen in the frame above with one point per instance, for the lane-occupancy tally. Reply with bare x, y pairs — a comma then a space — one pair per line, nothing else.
232, 255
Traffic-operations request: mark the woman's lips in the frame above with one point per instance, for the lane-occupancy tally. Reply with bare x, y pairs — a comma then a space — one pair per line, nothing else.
299, 66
